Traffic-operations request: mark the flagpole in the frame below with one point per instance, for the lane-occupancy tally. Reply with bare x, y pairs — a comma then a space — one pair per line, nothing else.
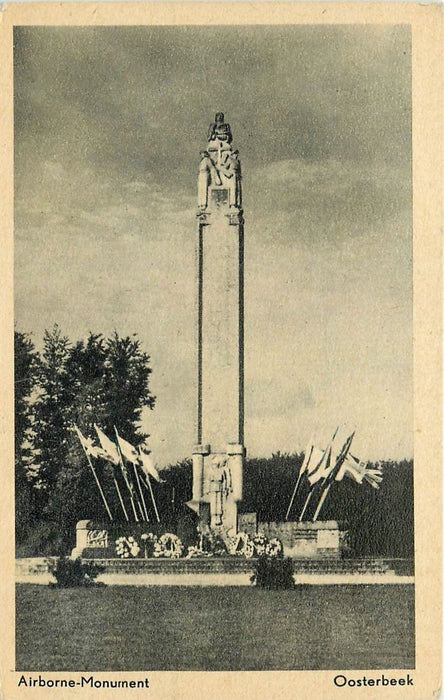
321, 501
120, 498
105, 503
325, 456
140, 508
137, 498
152, 497
310, 493
294, 495
304, 467
141, 492
148, 481
122, 467
333, 474
294, 492
140, 502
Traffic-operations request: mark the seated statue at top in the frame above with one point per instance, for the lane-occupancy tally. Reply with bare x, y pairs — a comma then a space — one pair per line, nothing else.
219, 130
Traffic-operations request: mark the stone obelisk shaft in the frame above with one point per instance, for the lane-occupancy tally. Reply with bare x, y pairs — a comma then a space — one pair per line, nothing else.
220, 355
218, 455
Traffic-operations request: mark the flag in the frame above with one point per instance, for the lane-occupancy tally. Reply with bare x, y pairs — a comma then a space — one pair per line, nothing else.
304, 466
108, 446
307, 457
148, 467
88, 445
353, 468
359, 472
321, 461
341, 457
92, 451
129, 452
322, 465
373, 478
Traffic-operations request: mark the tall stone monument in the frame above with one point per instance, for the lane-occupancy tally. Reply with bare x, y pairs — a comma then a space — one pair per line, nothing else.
219, 451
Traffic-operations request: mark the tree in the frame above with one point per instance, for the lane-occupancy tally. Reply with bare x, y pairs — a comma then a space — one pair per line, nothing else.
97, 380
51, 410
126, 374
25, 376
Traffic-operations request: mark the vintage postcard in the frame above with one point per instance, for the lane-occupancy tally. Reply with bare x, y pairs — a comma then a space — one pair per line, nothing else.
221, 340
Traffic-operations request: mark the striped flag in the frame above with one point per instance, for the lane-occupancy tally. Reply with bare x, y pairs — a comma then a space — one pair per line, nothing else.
359, 472
319, 465
321, 462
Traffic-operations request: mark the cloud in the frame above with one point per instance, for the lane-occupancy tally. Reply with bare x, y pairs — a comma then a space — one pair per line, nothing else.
108, 126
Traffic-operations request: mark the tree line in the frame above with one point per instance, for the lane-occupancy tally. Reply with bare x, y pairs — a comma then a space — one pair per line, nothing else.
105, 380
378, 522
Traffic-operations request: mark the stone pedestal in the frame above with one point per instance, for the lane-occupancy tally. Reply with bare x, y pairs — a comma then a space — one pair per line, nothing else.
319, 540
89, 535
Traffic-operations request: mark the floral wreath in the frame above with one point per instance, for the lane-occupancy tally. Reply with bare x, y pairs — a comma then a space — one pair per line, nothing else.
127, 547
260, 542
148, 537
274, 547
169, 546
241, 545
149, 542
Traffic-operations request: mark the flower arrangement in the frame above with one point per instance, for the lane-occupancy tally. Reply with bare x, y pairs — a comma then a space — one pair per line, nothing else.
149, 543
169, 546
274, 548
195, 551
127, 547
260, 542
213, 544
241, 545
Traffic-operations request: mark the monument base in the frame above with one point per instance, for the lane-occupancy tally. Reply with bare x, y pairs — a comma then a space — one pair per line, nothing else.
306, 540
90, 535
217, 487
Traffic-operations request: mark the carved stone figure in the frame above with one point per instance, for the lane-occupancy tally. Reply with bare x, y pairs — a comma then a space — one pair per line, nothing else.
235, 174
208, 175
219, 167
219, 130
220, 487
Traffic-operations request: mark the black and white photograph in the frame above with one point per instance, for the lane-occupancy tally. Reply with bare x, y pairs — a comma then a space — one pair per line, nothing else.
214, 405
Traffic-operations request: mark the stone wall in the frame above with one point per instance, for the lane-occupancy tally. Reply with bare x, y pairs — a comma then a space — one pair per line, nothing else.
306, 540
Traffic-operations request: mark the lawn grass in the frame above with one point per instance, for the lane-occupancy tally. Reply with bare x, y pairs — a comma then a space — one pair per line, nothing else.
213, 628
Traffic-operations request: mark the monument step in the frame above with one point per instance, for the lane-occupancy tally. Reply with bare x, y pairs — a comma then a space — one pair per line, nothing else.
229, 565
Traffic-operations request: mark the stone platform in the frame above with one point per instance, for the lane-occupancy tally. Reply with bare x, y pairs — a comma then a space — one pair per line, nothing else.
239, 565
306, 540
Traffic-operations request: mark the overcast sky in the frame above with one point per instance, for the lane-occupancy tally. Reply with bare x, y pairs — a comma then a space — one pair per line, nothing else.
108, 127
